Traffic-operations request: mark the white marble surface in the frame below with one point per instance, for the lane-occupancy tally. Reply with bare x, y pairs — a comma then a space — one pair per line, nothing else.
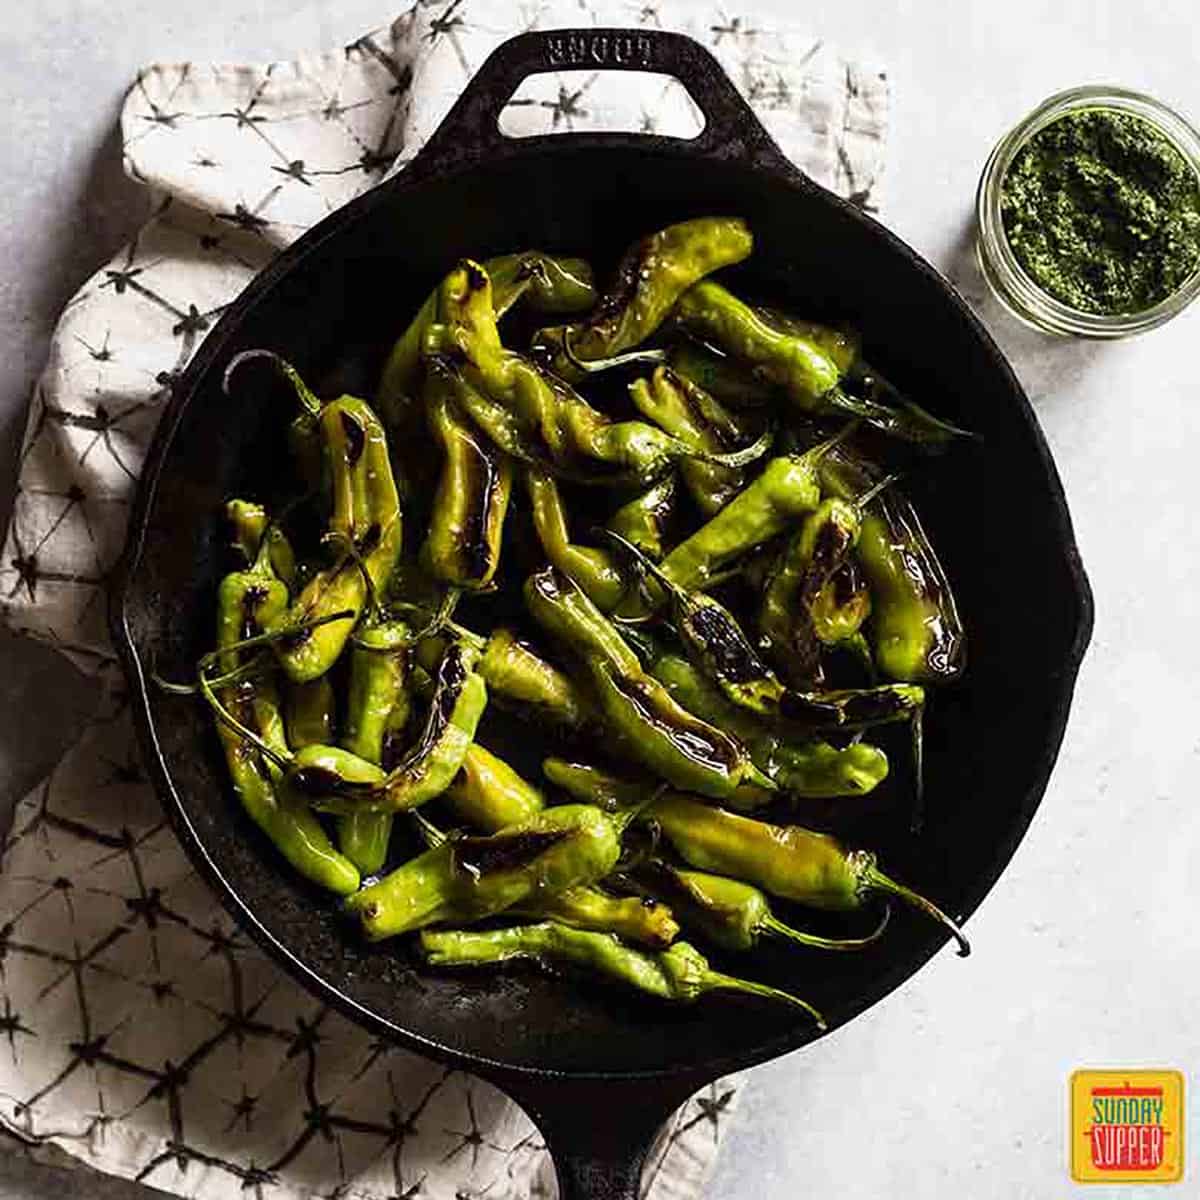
1088, 950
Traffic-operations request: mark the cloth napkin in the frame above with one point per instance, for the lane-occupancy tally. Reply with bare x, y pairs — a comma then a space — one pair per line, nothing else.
139, 1031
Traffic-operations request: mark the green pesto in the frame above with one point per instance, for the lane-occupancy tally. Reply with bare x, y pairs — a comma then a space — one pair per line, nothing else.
1103, 212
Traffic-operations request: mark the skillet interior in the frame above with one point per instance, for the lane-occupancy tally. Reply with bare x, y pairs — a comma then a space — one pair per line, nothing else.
994, 509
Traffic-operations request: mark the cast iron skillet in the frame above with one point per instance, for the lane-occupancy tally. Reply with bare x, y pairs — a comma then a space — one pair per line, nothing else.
599, 1072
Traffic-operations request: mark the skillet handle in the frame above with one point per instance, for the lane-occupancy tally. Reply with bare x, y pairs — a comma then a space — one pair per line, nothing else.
470, 130
600, 1133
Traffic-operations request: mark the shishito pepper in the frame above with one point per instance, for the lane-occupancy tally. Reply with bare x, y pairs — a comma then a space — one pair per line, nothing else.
644, 520
466, 524
915, 631
309, 711
685, 410
467, 879
799, 766
549, 285
593, 569
805, 361
784, 491
250, 525
489, 796
786, 860
517, 676
341, 782
364, 526
536, 416
653, 728
651, 277
727, 912
377, 711
246, 602
680, 973
800, 585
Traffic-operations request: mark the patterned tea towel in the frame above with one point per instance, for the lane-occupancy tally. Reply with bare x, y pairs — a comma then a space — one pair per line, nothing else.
139, 1031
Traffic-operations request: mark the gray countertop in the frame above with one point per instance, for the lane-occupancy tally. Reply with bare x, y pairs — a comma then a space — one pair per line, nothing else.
1087, 955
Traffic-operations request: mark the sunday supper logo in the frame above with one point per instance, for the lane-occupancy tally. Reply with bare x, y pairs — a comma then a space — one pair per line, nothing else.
1127, 1126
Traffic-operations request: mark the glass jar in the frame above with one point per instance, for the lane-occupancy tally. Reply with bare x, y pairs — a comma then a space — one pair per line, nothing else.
1008, 279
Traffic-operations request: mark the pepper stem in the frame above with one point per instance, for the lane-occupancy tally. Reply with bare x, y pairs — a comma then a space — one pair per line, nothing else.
861, 502
592, 365
373, 607
737, 458
817, 452
918, 754
308, 400
716, 981
776, 928
245, 671
873, 877
759, 778
283, 762
428, 832
276, 635
645, 563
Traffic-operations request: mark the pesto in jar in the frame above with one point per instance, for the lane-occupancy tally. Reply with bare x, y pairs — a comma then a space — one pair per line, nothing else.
1103, 212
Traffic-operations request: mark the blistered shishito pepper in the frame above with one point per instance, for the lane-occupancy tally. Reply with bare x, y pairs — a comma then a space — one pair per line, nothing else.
249, 523
591, 784
651, 277
714, 641
517, 676
653, 728
308, 712
487, 794
785, 491
727, 912
593, 569
840, 610
636, 920
798, 766
549, 285
534, 415
644, 520
819, 548
377, 711
247, 602
685, 410
365, 528
788, 861
680, 973
915, 631
342, 783
807, 362
467, 879
466, 523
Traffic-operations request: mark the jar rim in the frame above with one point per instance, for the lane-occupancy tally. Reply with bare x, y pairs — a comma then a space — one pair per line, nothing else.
1015, 289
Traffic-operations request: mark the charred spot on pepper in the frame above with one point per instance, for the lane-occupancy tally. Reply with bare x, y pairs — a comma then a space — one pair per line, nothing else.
452, 678
356, 437
320, 781
846, 583
477, 277
731, 655
478, 856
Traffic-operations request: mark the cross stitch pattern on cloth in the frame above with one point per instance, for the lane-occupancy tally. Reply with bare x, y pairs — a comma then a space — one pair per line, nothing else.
139, 1030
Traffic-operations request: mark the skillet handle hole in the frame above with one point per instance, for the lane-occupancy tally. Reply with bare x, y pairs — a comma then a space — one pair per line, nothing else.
647, 102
